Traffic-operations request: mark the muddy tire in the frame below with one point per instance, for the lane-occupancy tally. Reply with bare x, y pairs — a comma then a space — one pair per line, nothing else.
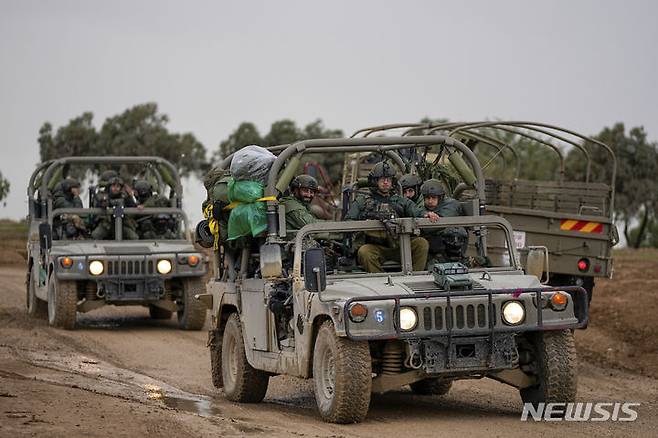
156, 312
433, 386
242, 382
215, 343
62, 302
36, 308
342, 373
193, 314
556, 368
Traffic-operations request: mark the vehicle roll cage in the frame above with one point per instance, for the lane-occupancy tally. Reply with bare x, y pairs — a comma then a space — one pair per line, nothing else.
41, 180
526, 129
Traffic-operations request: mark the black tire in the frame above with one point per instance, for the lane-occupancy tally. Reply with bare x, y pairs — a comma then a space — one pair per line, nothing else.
193, 315
216, 358
242, 382
62, 303
556, 368
342, 373
156, 312
432, 386
36, 308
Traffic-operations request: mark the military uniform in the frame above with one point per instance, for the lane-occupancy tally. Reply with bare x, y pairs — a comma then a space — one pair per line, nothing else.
105, 224
298, 214
379, 246
157, 226
447, 244
69, 226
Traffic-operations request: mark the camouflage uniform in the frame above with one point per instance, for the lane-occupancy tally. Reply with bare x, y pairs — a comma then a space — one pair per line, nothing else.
70, 226
379, 245
105, 225
153, 226
448, 244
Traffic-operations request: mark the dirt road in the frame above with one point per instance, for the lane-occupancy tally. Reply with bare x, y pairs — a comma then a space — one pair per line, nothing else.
121, 374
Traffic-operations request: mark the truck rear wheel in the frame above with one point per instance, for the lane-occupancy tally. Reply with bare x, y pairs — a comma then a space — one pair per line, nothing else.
62, 302
432, 386
36, 308
242, 382
342, 373
193, 314
555, 368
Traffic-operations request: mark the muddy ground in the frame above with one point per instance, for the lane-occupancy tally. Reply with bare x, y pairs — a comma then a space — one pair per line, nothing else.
122, 374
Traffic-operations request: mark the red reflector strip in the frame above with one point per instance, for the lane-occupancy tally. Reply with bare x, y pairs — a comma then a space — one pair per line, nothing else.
581, 226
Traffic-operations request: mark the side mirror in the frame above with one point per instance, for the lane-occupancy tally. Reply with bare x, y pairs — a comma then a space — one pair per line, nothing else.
271, 263
45, 236
315, 270
537, 263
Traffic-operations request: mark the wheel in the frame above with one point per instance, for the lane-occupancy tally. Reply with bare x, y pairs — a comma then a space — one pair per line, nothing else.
342, 373
432, 386
215, 343
242, 382
62, 302
193, 315
159, 313
555, 367
36, 308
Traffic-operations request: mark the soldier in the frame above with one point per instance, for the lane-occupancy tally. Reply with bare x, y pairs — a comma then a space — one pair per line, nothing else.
67, 195
449, 244
298, 204
435, 200
382, 203
158, 226
115, 194
411, 186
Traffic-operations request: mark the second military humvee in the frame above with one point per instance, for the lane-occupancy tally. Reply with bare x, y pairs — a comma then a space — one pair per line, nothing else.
65, 276
296, 303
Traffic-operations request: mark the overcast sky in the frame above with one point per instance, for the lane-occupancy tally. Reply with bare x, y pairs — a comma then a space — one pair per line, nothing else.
211, 65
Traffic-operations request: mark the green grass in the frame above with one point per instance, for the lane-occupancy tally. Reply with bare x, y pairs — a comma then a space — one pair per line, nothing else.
12, 230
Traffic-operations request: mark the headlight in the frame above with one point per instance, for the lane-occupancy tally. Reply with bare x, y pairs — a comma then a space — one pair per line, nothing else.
96, 267
164, 266
408, 319
513, 313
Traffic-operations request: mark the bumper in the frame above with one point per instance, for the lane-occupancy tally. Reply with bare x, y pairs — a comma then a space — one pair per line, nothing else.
127, 291
465, 313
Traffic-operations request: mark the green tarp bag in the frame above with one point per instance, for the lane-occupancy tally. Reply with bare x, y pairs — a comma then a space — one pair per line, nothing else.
248, 217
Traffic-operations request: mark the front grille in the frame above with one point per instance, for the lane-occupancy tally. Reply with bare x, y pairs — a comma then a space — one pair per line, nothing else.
128, 268
463, 316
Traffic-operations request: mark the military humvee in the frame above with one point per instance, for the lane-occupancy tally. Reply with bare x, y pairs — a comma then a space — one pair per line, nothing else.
296, 303
571, 217
65, 277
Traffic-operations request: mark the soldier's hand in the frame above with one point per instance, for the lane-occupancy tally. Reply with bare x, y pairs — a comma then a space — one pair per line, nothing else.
432, 216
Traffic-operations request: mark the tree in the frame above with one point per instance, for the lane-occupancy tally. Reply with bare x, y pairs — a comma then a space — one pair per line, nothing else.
139, 130
636, 190
78, 137
4, 189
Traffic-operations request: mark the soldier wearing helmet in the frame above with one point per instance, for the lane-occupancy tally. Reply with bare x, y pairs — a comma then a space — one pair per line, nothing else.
383, 203
114, 194
67, 195
158, 226
435, 200
410, 185
298, 204
447, 244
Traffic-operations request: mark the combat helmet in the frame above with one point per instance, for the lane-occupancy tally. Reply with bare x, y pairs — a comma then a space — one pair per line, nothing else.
304, 182
383, 169
432, 187
411, 181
